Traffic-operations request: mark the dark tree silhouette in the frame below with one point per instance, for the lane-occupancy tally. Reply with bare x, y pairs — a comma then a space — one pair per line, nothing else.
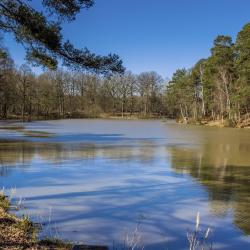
39, 31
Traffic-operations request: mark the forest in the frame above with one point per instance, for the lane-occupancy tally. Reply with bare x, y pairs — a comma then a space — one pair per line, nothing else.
59, 94
216, 88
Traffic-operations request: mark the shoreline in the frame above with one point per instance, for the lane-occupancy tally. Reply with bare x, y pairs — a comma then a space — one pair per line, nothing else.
100, 116
207, 123
21, 233
215, 123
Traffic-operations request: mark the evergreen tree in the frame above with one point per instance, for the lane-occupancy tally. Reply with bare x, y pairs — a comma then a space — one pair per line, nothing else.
40, 33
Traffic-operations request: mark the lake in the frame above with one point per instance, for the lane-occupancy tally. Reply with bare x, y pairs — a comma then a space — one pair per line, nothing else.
96, 181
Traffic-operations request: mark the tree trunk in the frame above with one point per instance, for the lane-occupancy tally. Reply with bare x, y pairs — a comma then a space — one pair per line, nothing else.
203, 111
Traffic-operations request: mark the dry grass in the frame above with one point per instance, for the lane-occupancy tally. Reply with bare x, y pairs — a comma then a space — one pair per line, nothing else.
20, 233
198, 239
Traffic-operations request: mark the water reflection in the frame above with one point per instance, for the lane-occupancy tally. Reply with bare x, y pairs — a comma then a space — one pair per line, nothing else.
222, 165
21, 153
99, 176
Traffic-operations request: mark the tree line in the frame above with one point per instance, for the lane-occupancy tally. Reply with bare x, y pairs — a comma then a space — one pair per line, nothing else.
217, 87
62, 93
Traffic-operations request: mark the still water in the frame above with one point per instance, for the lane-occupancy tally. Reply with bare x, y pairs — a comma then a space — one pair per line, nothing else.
95, 181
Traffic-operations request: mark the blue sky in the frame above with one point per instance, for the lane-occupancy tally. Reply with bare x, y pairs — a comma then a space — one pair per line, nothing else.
159, 35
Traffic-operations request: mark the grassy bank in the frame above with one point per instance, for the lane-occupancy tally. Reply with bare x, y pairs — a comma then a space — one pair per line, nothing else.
20, 233
221, 123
